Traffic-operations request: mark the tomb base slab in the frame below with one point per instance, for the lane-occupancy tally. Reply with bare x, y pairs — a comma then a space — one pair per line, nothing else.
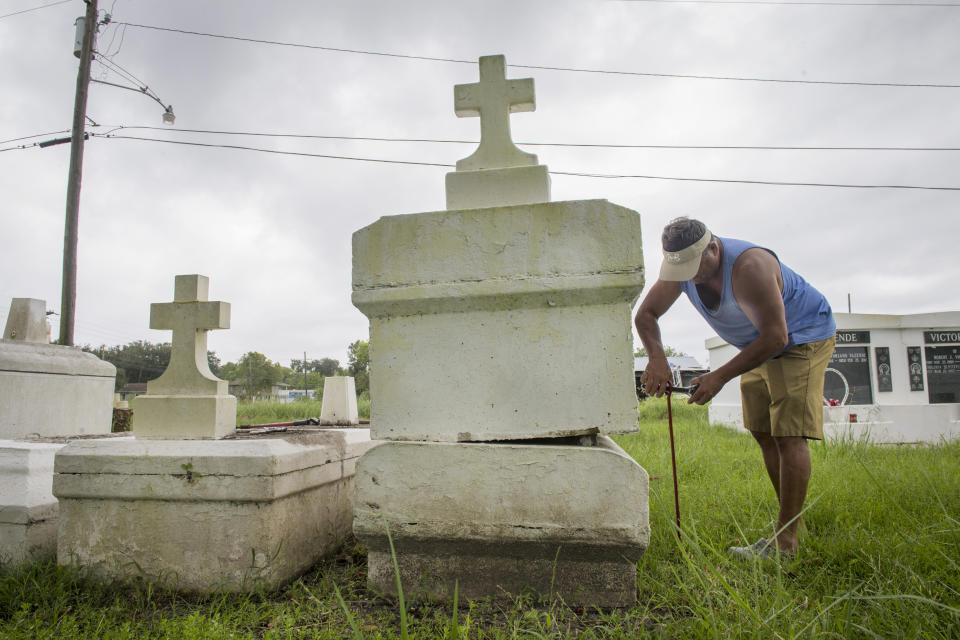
501, 518
200, 516
184, 417
28, 510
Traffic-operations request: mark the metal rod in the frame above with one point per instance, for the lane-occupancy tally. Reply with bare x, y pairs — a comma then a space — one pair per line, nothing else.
673, 457
142, 90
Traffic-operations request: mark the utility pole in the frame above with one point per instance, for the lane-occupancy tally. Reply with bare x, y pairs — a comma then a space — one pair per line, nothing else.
68, 298
305, 376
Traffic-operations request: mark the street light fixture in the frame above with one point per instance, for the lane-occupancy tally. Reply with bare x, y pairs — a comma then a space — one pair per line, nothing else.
168, 116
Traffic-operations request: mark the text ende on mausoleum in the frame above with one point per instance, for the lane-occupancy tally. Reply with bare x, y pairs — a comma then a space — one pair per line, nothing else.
853, 337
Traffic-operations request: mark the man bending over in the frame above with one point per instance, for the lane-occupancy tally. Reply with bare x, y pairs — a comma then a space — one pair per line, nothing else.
785, 331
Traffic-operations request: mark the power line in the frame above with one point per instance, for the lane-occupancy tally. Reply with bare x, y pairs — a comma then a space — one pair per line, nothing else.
545, 67
797, 2
36, 135
141, 86
274, 151
575, 145
43, 6
537, 144
296, 44
562, 173
122, 31
850, 83
765, 182
116, 68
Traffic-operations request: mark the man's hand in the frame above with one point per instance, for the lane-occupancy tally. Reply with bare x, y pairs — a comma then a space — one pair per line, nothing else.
709, 386
656, 377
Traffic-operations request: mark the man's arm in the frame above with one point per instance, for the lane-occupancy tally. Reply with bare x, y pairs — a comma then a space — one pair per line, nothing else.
757, 287
661, 297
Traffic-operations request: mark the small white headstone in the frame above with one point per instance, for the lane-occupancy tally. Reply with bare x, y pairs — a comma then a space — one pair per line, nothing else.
497, 173
187, 401
339, 401
27, 321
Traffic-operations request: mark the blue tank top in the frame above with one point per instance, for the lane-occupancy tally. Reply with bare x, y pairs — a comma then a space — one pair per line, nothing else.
809, 317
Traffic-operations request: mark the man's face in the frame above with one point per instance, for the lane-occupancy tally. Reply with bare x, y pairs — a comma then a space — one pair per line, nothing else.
709, 263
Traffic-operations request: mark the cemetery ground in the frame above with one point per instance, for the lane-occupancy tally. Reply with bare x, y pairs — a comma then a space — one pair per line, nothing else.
879, 559
262, 412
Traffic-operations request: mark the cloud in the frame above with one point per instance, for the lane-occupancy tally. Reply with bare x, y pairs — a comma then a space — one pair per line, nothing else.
273, 232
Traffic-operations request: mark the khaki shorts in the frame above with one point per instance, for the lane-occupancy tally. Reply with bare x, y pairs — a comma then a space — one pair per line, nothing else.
784, 396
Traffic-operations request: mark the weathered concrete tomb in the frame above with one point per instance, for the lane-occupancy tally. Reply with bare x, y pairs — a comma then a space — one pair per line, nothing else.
48, 393
190, 502
501, 333
48, 390
200, 515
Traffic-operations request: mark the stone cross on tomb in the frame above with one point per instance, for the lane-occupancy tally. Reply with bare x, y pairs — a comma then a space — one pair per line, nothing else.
189, 316
494, 98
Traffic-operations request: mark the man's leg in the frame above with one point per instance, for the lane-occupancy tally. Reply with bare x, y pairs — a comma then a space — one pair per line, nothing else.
794, 477
794, 383
771, 457
755, 401
797, 390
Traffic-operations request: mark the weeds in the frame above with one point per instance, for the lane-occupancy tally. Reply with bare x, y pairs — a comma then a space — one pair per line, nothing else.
265, 411
878, 559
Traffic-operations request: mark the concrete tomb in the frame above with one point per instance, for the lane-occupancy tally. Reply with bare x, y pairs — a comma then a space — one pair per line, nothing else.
501, 340
200, 515
339, 405
48, 393
892, 379
195, 504
49, 390
28, 510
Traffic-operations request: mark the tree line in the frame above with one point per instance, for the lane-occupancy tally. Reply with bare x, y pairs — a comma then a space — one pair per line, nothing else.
254, 373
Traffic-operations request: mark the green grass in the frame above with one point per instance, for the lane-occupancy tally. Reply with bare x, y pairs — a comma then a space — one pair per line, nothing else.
263, 411
879, 559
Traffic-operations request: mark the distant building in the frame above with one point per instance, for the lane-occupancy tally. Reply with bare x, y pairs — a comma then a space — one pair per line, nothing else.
685, 369
892, 378
290, 395
132, 390
278, 392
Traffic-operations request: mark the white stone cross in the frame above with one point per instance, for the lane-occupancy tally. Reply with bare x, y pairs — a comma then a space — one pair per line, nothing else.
494, 98
189, 316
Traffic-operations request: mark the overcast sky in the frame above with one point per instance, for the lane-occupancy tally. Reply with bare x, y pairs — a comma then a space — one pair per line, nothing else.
273, 232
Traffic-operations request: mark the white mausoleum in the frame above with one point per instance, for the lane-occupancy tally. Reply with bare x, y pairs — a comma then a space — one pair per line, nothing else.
892, 378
